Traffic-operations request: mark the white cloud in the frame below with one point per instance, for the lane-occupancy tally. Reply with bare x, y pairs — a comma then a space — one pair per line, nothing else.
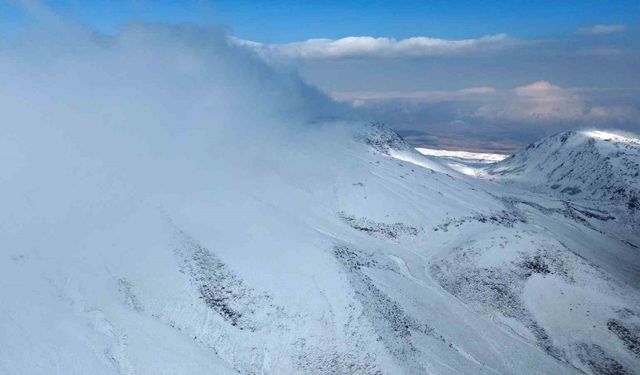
539, 102
478, 90
371, 47
361, 97
616, 112
536, 101
601, 29
543, 101
601, 52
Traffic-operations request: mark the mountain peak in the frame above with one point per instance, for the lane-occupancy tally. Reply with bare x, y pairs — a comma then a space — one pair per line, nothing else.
591, 165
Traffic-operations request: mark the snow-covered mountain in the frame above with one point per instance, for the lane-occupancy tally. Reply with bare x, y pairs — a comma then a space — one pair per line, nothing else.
209, 220
597, 168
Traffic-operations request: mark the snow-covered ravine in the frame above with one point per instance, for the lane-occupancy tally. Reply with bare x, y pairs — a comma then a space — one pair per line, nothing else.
465, 162
217, 218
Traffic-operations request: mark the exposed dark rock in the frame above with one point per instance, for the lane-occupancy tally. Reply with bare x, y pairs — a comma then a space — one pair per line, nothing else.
630, 336
383, 139
571, 190
599, 362
220, 288
500, 289
503, 218
391, 231
125, 287
633, 203
394, 326
536, 265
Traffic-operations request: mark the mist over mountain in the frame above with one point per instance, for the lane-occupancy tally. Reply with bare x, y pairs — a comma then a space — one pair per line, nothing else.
173, 204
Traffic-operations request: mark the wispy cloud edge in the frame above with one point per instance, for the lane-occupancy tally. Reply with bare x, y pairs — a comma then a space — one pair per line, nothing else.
354, 47
601, 29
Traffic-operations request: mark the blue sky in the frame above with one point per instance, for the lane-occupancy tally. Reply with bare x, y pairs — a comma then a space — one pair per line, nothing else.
285, 21
279, 21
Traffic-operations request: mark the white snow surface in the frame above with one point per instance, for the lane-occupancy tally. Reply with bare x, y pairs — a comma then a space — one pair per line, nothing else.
485, 157
211, 220
465, 162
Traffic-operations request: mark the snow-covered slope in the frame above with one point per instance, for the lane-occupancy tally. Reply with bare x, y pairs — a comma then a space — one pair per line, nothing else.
585, 165
600, 169
477, 157
208, 220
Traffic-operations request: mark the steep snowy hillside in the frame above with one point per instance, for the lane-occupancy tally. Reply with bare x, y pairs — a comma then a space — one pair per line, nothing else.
209, 219
592, 165
596, 168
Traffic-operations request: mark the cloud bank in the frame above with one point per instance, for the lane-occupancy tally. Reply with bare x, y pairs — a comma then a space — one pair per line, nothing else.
94, 125
537, 101
356, 47
513, 117
542, 101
